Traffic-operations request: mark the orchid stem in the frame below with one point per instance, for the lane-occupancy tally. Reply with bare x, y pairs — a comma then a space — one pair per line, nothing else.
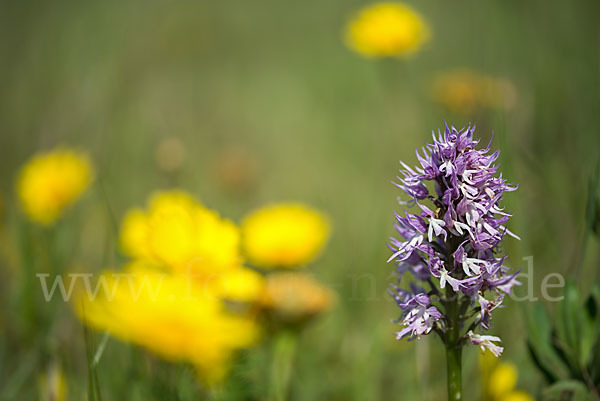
453, 348
453, 362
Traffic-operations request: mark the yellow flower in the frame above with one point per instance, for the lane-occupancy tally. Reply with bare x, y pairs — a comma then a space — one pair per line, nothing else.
284, 235
180, 233
466, 91
387, 29
503, 380
241, 285
500, 380
295, 297
53, 385
52, 181
170, 315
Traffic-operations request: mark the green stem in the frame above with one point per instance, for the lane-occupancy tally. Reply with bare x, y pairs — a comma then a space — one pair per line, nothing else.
27, 302
453, 363
453, 347
284, 351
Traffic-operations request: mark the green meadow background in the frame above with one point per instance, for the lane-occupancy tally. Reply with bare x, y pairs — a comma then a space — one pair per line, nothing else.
269, 105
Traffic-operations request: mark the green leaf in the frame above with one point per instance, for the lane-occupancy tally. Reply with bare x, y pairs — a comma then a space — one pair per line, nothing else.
539, 328
569, 326
591, 326
93, 383
593, 312
593, 203
595, 218
567, 390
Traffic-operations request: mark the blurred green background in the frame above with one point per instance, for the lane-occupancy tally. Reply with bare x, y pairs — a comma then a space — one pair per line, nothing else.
261, 101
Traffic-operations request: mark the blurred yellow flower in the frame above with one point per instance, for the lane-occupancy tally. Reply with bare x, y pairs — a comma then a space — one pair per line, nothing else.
387, 29
294, 297
240, 285
500, 380
284, 235
178, 232
50, 182
53, 384
170, 315
466, 91
503, 380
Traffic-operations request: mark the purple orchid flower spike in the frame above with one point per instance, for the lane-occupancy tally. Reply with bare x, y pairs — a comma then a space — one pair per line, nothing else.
451, 243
